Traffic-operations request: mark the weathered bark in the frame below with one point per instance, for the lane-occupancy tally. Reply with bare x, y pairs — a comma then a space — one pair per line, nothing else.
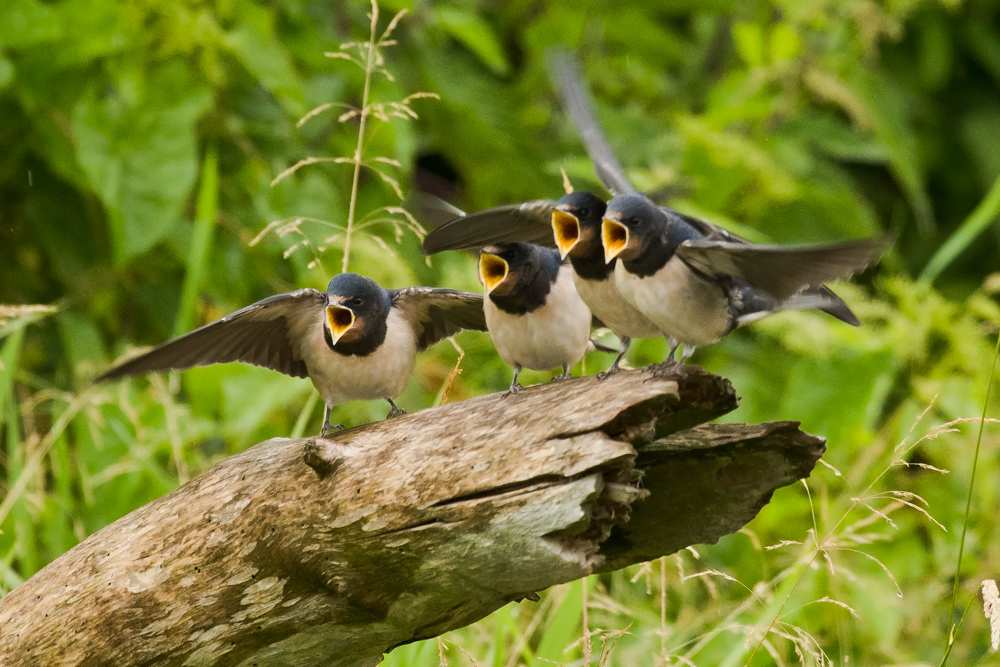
330, 552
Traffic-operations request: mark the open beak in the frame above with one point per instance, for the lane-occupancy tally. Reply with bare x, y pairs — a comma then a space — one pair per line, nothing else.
567, 230
614, 235
340, 320
492, 270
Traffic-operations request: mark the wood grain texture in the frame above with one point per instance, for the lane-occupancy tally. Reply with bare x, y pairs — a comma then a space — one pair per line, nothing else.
333, 551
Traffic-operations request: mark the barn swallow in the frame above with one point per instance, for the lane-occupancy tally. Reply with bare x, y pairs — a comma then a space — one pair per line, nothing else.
572, 224
748, 301
356, 341
698, 282
533, 312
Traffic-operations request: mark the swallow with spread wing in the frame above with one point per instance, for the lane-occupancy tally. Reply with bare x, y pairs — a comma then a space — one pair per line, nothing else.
731, 282
698, 282
355, 341
572, 224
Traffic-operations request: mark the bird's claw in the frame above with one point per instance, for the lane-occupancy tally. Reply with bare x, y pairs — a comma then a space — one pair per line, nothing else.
665, 368
330, 427
604, 375
395, 412
514, 388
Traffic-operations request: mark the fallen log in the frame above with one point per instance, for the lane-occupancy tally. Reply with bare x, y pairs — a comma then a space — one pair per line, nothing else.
333, 551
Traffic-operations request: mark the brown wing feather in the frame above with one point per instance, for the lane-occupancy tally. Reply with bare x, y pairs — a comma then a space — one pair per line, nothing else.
452, 229
436, 313
782, 271
260, 334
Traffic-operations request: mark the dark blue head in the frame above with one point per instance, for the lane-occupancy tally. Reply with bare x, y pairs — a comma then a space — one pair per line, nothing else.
631, 223
356, 312
576, 222
518, 276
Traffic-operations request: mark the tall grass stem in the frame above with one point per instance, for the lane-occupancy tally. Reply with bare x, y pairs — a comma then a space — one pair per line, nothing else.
369, 68
201, 239
963, 237
953, 627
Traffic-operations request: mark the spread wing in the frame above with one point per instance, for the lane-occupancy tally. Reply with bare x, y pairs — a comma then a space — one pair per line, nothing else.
436, 313
781, 271
268, 333
567, 79
704, 227
452, 229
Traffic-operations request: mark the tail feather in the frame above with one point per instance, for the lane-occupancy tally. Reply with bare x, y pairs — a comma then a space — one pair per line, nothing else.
823, 299
756, 304
836, 306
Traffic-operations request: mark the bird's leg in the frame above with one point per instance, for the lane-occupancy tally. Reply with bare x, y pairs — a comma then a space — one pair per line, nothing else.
664, 367
565, 375
326, 422
515, 386
688, 351
396, 410
626, 342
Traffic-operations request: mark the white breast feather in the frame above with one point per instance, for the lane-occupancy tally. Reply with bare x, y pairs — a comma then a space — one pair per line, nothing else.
608, 305
684, 306
382, 374
548, 337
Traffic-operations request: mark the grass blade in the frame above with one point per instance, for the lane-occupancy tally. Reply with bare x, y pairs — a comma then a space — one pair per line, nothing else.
563, 628
953, 629
201, 239
963, 237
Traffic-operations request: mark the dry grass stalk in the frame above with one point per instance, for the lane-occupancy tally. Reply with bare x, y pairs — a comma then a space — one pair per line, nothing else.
991, 609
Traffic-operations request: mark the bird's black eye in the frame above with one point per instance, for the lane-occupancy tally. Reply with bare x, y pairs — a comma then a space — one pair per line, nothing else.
583, 212
357, 301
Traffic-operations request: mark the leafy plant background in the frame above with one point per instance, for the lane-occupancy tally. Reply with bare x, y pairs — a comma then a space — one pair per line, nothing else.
139, 143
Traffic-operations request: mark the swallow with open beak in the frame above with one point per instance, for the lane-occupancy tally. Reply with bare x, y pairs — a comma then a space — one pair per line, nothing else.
356, 341
746, 286
572, 224
698, 282
533, 312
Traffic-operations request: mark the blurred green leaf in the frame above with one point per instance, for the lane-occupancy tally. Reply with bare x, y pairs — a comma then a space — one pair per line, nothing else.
6, 72
28, 22
748, 38
256, 46
251, 394
888, 108
785, 43
476, 34
142, 160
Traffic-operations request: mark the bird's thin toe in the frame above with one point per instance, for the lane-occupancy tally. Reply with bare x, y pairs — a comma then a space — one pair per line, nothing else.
514, 388
604, 375
664, 369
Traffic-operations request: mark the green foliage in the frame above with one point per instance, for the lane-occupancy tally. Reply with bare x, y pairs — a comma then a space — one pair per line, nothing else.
140, 141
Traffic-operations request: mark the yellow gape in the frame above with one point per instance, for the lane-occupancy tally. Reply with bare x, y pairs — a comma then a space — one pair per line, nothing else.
566, 227
340, 319
614, 235
492, 270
